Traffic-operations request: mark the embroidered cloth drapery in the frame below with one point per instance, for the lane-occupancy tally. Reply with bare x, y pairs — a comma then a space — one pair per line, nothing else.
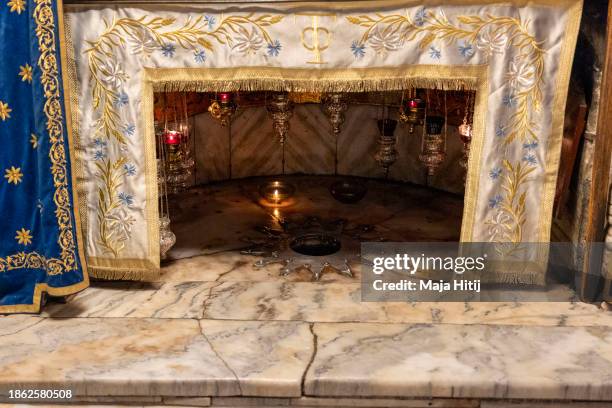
38, 235
517, 55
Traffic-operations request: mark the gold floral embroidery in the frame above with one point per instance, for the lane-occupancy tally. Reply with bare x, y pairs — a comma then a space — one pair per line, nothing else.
147, 34
25, 72
506, 225
24, 237
115, 225
490, 34
16, 5
4, 111
13, 175
34, 141
32, 260
47, 62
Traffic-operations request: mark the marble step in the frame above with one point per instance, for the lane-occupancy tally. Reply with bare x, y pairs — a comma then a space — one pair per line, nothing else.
307, 301
212, 358
461, 361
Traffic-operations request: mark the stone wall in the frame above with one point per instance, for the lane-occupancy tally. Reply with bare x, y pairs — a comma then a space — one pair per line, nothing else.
310, 147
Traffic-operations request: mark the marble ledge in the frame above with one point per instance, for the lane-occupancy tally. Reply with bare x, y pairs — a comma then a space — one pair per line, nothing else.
177, 300
307, 301
331, 302
313, 402
453, 361
154, 357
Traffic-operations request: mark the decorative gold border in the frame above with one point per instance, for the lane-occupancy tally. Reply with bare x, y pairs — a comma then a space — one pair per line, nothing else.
472, 180
44, 287
78, 157
452, 77
102, 268
553, 151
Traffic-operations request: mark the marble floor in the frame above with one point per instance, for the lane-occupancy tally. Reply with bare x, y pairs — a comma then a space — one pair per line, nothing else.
214, 331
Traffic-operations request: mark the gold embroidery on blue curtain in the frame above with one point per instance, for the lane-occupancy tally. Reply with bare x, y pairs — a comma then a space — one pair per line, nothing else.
47, 63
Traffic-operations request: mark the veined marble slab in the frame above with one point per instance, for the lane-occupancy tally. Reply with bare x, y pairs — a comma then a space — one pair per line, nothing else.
154, 357
111, 357
306, 301
341, 302
232, 266
461, 361
132, 299
263, 355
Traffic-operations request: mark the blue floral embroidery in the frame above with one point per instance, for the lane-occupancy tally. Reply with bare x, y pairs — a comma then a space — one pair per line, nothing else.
435, 53
129, 129
509, 100
126, 199
530, 159
419, 17
495, 201
531, 145
168, 50
122, 100
99, 155
500, 131
199, 56
466, 49
210, 20
99, 143
358, 49
130, 169
274, 49
495, 173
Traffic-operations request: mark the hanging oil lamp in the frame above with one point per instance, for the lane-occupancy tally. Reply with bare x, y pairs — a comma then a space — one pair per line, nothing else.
412, 111
223, 108
167, 238
335, 106
433, 154
280, 109
387, 153
433, 148
466, 131
187, 159
176, 178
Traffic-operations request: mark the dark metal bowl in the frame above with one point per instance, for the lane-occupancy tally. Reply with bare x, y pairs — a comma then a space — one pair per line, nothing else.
348, 191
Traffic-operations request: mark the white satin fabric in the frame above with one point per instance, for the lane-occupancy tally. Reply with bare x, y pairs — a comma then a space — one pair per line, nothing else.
492, 41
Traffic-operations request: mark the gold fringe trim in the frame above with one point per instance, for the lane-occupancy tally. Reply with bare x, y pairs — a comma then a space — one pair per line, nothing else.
513, 273
308, 80
311, 86
144, 275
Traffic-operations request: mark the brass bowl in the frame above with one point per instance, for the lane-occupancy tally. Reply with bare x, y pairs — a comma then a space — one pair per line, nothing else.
276, 191
348, 191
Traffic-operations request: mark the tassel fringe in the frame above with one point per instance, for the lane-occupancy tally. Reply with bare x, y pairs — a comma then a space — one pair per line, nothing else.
143, 275
315, 85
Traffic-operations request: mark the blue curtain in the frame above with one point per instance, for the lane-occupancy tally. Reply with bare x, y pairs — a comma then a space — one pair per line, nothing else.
38, 231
